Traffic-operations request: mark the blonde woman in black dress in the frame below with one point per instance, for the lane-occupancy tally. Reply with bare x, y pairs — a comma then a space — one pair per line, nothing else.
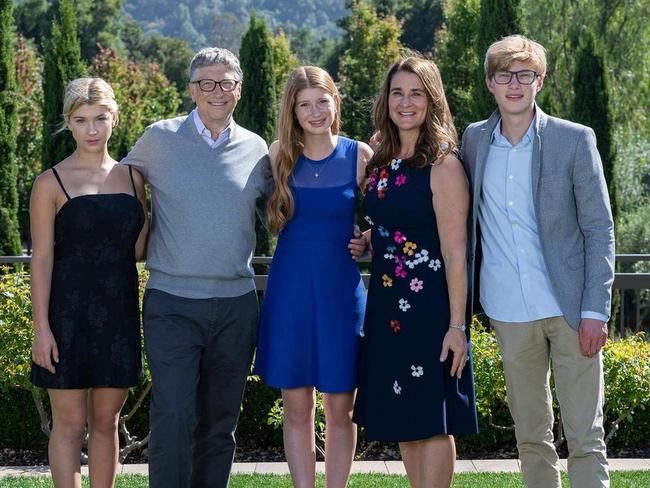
88, 225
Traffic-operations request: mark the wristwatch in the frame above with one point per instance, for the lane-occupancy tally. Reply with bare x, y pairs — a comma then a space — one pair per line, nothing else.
460, 327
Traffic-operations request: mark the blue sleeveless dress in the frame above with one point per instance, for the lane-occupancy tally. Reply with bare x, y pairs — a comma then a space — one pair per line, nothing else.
405, 393
315, 300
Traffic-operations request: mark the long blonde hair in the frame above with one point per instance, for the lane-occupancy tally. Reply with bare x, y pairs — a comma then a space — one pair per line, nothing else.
437, 134
280, 207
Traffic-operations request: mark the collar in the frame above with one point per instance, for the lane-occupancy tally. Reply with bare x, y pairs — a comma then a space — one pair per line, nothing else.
205, 132
498, 138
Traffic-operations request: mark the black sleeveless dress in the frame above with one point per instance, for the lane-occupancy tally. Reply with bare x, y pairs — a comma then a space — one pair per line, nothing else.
93, 310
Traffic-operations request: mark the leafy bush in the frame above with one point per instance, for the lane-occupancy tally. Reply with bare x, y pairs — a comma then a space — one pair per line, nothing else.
626, 366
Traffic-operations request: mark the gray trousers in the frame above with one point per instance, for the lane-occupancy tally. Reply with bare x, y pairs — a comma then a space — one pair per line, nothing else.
199, 352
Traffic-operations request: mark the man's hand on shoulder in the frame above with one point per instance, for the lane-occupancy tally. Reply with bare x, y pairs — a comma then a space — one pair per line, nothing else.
592, 334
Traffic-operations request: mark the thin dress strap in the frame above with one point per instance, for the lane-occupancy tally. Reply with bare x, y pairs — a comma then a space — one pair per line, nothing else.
135, 192
58, 178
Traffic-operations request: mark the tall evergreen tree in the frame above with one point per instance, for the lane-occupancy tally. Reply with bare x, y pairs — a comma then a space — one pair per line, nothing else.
373, 45
458, 60
284, 62
497, 19
591, 106
29, 103
62, 64
257, 108
9, 229
422, 21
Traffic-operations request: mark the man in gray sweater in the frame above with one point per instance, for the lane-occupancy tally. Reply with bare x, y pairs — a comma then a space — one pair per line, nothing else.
207, 177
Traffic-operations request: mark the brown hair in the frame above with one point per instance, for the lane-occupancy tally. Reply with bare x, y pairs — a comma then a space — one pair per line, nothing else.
290, 139
503, 53
437, 134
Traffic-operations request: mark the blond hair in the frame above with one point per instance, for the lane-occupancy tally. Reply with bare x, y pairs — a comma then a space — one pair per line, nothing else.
437, 134
88, 91
503, 53
280, 207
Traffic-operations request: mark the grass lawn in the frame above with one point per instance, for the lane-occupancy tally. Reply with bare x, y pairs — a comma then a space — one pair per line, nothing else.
620, 479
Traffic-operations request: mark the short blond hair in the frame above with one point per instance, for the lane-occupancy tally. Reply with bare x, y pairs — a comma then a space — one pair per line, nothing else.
503, 53
89, 91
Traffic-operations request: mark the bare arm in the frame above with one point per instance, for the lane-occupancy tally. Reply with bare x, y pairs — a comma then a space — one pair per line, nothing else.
451, 205
141, 243
274, 148
43, 209
359, 242
364, 153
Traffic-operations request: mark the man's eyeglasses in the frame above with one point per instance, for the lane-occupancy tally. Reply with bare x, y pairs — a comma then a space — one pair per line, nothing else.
208, 85
524, 77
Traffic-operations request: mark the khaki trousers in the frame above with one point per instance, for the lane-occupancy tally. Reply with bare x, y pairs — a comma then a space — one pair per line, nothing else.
527, 350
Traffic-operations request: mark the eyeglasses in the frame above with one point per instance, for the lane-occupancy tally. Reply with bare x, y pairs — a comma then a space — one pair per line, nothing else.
524, 77
208, 85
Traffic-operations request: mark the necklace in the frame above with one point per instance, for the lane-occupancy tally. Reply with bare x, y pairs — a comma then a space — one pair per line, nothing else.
322, 165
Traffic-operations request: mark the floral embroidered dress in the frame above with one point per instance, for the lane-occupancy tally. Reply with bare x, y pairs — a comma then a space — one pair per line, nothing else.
405, 393
314, 300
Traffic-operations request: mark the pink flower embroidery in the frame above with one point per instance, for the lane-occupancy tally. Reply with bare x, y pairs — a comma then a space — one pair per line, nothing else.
416, 285
400, 180
399, 237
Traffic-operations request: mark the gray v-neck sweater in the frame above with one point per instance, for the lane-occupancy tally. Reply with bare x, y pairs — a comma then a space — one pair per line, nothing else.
202, 234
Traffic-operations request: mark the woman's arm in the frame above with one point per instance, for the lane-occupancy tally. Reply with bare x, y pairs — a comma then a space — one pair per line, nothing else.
364, 154
274, 148
359, 242
42, 210
451, 205
141, 243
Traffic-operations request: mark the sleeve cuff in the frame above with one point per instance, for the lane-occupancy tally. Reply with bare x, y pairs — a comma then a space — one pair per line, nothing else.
587, 314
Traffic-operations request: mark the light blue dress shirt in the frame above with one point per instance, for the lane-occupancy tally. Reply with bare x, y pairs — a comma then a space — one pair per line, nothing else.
515, 285
207, 135
514, 280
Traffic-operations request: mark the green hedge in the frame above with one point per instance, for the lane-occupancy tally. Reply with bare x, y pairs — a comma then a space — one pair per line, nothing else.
627, 394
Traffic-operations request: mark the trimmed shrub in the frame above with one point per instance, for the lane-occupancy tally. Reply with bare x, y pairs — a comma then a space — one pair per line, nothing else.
626, 366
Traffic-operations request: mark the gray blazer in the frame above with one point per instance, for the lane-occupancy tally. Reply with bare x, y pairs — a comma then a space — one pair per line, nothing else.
572, 208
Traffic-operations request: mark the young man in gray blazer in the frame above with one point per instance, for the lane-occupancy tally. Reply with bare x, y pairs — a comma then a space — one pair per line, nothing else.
541, 221
207, 177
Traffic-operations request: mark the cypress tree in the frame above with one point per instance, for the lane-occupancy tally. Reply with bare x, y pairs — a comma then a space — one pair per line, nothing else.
458, 61
9, 231
591, 106
373, 45
62, 64
257, 108
497, 19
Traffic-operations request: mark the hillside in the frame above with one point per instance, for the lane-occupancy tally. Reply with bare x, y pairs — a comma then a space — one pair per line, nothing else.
216, 22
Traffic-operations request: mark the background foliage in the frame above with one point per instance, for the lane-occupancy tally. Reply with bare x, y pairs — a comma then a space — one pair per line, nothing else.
627, 394
143, 49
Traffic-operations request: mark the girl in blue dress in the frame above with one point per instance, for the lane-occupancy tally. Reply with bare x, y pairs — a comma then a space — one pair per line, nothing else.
314, 301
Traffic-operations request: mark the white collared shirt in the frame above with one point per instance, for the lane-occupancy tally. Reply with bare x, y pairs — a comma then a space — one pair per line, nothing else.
224, 135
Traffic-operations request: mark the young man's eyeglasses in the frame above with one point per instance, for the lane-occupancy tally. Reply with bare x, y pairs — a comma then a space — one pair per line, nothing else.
208, 85
524, 77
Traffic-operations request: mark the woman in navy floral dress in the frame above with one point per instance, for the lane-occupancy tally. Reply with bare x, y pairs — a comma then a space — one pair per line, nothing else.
415, 384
